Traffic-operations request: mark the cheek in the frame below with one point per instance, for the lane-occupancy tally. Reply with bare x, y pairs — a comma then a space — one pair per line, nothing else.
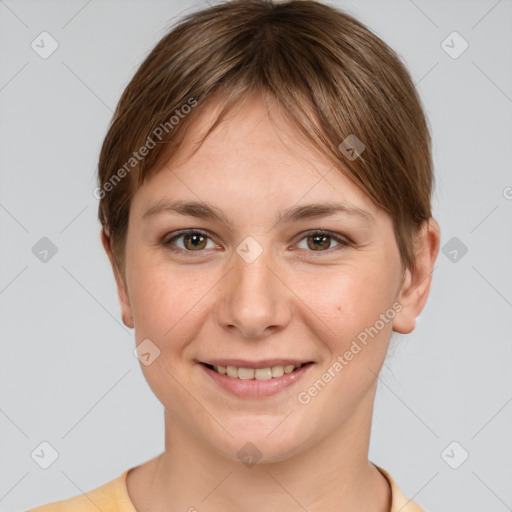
355, 306
164, 300
167, 308
350, 299
171, 304
356, 303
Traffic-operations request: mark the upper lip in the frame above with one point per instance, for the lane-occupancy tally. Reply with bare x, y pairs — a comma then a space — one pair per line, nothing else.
262, 363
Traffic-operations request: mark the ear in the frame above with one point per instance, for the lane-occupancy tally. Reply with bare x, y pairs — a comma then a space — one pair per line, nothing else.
124, 301
416, 283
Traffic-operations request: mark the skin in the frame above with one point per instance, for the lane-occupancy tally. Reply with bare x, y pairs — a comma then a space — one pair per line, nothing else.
293, 302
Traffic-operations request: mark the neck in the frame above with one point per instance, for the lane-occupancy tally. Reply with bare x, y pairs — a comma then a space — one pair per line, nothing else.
331, 474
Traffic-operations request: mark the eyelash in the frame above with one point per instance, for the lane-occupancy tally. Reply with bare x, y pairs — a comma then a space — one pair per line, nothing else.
169, 245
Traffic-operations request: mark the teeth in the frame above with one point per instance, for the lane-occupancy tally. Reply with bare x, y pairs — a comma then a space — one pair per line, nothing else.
232, 371
255, 373
263, 374
277, 371
245, 373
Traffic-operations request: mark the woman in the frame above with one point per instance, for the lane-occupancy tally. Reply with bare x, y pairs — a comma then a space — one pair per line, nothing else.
264, 197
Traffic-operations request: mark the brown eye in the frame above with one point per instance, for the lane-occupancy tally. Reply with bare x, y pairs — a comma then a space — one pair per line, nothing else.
194, 241
321, 241
188, 241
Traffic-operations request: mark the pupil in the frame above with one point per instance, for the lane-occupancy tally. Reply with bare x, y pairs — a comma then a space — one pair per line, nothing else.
318, 239
196, 240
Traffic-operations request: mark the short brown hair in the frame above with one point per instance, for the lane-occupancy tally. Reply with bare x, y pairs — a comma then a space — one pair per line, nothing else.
324, 69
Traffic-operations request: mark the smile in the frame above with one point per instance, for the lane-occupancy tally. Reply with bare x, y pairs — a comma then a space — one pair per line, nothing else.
268, 373
252, 380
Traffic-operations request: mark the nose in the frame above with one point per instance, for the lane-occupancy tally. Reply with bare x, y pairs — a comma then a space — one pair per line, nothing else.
254, 299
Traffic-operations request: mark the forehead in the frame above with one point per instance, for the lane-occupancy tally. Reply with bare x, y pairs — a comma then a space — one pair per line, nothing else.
254, 122
256, 156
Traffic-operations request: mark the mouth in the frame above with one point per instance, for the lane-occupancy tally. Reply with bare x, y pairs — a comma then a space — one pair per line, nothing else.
249, 373
255, 380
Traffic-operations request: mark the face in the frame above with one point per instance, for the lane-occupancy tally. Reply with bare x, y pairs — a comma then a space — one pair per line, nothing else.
261, 279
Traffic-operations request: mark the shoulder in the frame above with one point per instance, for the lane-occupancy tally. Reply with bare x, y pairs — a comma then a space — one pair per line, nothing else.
111, 496
399, 502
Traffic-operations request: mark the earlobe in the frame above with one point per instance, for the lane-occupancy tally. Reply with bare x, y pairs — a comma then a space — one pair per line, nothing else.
124, 301
415, 287
405, 322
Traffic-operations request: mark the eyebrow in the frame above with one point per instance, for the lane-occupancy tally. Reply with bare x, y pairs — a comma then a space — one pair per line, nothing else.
203, 210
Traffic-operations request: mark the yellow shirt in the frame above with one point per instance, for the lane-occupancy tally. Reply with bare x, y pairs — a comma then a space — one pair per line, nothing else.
113, 497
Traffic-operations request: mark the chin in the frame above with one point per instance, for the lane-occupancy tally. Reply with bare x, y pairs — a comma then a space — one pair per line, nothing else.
260, 444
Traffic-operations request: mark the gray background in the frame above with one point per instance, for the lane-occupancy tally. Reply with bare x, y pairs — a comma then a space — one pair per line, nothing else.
67, 372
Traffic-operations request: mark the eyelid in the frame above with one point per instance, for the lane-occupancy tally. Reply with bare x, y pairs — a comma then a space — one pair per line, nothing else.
342, 240
166, 241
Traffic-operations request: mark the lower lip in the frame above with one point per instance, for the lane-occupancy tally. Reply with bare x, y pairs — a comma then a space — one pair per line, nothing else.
253, 388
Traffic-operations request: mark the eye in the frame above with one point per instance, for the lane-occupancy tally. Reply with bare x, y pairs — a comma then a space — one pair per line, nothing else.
320, 241
193, 241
